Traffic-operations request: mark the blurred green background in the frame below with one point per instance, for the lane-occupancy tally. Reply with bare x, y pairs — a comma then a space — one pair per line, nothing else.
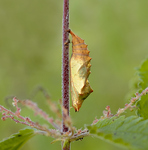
30, 55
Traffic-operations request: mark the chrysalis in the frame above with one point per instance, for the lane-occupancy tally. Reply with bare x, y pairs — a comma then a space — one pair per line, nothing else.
79, 71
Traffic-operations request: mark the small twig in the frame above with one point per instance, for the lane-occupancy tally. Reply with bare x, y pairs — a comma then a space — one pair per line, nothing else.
68, 122
107, 113
33, 106
133, 100
26, 121
75, 137
79, 136
53, 106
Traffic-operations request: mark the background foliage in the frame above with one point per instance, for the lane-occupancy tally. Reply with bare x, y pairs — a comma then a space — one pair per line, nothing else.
30, 55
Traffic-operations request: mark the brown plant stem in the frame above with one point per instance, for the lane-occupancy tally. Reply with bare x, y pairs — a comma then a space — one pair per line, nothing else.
65, 66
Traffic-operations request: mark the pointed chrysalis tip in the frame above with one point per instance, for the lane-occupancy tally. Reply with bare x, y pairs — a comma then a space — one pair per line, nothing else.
76, 109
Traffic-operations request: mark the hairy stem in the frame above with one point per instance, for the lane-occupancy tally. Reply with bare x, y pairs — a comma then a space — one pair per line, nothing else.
65, 65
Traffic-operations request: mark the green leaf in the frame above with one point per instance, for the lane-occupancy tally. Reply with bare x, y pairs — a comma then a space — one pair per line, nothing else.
142, 104
143, 74
131, 132
15, 141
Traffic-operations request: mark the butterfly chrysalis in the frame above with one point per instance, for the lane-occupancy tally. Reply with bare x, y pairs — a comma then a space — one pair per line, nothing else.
79, 71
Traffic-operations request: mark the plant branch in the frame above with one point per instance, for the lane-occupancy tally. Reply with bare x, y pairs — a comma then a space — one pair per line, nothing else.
26, 121
107, 113
33, 106
65, 62
65, 67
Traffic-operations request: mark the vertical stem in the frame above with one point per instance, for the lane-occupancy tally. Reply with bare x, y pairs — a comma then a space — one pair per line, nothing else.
65, 65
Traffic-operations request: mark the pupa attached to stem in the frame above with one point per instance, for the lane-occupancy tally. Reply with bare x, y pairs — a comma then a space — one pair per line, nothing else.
79, 71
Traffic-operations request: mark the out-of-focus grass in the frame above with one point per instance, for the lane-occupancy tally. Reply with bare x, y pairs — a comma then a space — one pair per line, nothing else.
30, 54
